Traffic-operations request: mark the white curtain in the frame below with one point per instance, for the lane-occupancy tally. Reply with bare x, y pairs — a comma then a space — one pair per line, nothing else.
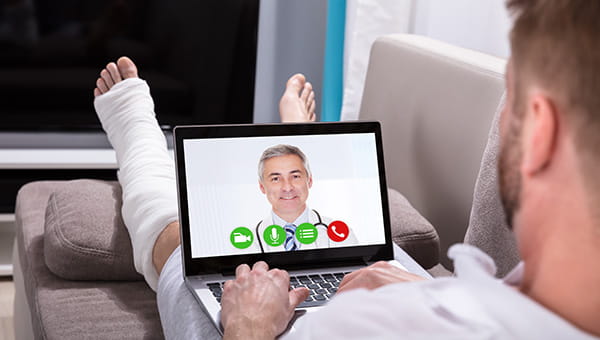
365, 21
481, 25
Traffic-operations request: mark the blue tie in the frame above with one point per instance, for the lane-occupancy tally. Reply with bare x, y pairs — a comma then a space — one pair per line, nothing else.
290, 242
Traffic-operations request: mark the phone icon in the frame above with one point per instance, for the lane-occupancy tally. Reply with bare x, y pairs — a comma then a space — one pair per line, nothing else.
338, 231
341, 235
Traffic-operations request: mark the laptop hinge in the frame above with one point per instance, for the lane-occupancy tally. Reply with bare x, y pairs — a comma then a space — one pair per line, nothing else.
304, 266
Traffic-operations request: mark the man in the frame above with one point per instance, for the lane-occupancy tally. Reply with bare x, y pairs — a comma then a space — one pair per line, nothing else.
550, 132
285, 179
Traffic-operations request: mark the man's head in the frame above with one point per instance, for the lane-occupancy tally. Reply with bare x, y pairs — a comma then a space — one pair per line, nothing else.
284, 177
553, 86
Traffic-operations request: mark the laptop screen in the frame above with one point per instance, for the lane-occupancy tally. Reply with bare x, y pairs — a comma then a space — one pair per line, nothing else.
281, 189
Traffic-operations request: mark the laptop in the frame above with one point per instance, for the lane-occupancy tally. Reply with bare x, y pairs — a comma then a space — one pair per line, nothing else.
319, 216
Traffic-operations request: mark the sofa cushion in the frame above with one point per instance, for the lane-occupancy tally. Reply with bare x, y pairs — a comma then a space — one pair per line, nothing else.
113, 310
85, 237
412, 232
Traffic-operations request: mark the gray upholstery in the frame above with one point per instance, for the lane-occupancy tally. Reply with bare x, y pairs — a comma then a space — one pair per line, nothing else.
85, 237
64, 309
412, 232
487, 226
435, 103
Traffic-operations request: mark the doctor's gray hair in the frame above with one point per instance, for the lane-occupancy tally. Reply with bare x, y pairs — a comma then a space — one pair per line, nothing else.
278, 151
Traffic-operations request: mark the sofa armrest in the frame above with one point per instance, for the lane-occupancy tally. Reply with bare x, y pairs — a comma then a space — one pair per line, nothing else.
67, 309
412, 232
85, 237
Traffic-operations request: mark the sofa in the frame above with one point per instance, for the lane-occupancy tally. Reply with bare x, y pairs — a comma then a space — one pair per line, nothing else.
436, 103
74, 276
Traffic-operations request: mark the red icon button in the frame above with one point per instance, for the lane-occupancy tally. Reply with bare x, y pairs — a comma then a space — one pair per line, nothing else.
338, 231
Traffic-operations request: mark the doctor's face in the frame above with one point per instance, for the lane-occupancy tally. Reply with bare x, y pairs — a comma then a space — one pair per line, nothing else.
285, 182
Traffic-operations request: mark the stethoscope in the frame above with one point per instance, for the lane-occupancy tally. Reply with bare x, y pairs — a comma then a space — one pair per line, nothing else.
320, 223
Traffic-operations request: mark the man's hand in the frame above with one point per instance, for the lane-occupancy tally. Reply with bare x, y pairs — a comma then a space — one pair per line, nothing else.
376, 275
258, 303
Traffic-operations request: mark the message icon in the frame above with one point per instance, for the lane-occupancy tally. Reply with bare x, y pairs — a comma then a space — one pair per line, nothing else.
306, 233
241, 237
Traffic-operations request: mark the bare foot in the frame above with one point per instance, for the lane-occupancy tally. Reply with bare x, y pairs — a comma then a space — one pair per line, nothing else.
114, 73
298, 101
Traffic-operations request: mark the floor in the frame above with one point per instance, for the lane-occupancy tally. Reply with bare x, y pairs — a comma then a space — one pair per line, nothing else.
7, 298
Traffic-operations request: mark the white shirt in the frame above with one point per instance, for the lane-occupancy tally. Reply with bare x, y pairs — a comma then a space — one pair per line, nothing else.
472, 305
303, 218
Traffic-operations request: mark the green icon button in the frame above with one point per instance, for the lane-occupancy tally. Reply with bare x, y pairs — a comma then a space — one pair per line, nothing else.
241, 237
274, 235
306, 233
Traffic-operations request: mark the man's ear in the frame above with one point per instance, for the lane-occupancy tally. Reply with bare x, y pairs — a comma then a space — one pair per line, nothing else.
262, 187
310, 182
541, 134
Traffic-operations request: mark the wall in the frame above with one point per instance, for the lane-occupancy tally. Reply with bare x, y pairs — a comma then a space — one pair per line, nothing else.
474, 24
291, 39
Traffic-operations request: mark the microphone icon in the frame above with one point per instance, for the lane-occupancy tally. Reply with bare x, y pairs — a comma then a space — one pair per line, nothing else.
274, 234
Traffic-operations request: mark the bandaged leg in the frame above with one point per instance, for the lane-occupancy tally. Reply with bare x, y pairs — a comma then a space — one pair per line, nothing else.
146, 169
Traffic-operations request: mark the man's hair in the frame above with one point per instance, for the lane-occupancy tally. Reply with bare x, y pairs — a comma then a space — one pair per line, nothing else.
556, 44
281, 150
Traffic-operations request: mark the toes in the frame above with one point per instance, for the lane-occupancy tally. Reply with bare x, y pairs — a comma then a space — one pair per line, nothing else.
306, 90
108, 81
295, 83
310, 100
127, 68
311, 107
308, 86
114, 72
101, 85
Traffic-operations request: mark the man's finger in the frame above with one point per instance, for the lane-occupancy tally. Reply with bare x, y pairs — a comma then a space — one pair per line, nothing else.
261, 266
227, 284
242, 270
382, 264
297, 295
349, 277
280, 276
347, 286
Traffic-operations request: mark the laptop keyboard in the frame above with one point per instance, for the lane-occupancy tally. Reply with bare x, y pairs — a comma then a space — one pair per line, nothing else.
322, 287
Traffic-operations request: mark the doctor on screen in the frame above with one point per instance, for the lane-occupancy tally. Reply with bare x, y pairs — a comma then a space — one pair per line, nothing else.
285, 179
